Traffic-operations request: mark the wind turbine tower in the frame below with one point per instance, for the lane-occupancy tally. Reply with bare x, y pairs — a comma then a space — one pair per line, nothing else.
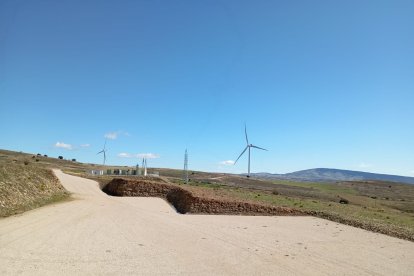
144, 165
104, 153
185, 172
248, 147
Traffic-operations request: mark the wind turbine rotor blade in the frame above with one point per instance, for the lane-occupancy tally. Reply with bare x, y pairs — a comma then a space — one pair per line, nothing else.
245, 132
240, 155
258, 148
100, 152
105, 144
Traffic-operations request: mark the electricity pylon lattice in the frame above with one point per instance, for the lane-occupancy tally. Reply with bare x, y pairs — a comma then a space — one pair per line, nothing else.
185, 172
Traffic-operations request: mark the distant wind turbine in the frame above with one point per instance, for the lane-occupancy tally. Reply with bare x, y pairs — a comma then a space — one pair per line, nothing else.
144, 165
248, 146
104, 153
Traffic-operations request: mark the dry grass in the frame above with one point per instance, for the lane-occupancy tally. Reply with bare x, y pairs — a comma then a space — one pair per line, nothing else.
25, 187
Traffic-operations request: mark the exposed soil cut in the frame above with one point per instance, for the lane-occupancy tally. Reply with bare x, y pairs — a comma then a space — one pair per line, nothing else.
189, 201
186, 201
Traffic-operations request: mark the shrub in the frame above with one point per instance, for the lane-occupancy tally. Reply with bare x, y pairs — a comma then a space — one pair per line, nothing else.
37, 160
275, 192
343, 201
73, 160
26, 162
45, 155
60, 157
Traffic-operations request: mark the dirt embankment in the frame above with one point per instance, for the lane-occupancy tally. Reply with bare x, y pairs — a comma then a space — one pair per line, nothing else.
190, 201
186, 201
401, 232
25, 187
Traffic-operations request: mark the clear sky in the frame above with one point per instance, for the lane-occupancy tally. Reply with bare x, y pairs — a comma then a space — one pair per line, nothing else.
318, 83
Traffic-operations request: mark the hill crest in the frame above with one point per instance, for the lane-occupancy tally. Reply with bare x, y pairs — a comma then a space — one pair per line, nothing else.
329, 175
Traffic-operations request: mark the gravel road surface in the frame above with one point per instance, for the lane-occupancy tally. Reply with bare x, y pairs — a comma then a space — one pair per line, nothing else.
98, 234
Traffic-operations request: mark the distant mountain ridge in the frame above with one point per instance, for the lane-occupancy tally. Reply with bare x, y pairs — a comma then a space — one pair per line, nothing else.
326, 175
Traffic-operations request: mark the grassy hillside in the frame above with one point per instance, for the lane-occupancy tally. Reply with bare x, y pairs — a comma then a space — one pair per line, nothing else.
25, 187
26, 184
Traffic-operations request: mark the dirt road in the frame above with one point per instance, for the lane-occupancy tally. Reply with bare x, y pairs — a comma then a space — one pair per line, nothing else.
98, 234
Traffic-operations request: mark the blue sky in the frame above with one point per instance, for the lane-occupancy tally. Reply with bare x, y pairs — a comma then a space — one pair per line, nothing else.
318, 83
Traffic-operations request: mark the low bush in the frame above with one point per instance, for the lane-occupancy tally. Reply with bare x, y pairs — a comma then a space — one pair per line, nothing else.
343, 201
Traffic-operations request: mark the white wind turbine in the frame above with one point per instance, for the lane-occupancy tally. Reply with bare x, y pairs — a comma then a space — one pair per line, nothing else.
104, 153
248, 146
144, 165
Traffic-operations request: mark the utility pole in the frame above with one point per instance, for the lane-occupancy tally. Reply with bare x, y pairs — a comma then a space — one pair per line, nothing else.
185, 172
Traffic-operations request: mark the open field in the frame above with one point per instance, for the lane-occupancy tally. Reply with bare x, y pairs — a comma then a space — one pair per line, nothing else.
378, 206
99, 234
381, 207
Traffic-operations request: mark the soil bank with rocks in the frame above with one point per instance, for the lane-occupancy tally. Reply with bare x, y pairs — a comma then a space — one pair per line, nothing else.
186, 201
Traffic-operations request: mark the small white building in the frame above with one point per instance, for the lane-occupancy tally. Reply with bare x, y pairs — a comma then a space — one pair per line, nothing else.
96, 172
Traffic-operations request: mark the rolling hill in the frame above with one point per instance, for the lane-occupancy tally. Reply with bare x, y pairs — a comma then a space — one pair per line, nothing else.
329, 175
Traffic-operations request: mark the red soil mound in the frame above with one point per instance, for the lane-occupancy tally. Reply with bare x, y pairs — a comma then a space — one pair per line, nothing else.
185, 201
